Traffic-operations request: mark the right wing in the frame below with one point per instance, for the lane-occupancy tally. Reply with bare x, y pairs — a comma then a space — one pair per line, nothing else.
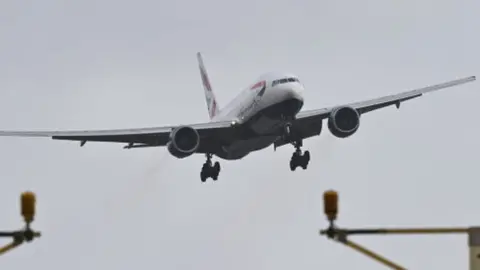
309, 123
139, 137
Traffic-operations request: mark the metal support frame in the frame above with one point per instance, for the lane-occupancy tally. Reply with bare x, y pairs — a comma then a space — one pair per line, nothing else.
340, 235
19, 237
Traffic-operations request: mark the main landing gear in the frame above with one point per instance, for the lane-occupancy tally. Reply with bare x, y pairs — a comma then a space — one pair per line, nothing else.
298, 159
208, 170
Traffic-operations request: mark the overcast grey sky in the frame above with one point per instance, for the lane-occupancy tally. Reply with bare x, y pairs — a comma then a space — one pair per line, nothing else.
118, 64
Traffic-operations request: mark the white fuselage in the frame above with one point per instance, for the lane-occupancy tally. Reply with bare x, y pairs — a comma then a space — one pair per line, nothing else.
262, 107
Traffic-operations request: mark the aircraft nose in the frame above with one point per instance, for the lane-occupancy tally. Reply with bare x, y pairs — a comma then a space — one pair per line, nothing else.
290, 91
297, 91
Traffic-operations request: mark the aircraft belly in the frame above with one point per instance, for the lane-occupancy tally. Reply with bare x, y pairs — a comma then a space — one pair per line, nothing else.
239, 149
264, 124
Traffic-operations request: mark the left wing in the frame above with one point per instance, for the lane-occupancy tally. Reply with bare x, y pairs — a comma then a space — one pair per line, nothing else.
140, 137
308, 123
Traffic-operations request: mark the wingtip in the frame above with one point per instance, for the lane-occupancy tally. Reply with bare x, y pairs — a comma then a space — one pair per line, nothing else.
469, 79
199, 57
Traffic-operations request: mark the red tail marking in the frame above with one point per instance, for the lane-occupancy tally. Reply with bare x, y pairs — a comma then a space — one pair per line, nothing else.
206, 83
214, 107
259, 84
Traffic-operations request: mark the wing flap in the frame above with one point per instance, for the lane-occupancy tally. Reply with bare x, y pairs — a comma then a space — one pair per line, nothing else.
147, 139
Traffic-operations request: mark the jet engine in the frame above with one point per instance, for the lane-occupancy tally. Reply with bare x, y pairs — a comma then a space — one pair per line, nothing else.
343, 122
184, 141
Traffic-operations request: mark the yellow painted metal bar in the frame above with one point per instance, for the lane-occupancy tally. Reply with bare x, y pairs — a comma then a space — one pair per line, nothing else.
9, 247
28, 203
375, 256
330, 199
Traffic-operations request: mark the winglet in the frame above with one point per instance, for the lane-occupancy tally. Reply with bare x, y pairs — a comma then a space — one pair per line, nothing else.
212, 104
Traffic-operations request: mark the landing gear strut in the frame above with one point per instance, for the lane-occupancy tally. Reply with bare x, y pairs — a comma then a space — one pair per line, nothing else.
209, 170
287, 129
298, 159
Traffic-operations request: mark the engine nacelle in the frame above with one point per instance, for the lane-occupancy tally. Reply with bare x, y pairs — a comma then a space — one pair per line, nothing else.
184, 141
343, 122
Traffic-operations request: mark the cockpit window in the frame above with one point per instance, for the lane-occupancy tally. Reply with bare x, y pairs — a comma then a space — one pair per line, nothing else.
285, 80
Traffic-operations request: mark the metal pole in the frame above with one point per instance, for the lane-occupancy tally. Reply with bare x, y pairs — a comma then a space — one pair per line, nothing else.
474, 247
27, 202
340, 235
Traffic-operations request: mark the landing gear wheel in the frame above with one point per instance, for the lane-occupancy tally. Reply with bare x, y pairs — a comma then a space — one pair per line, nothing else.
298, 159
304, 165
216, 167
305, 160
209, 171
294, 161
215, 171
293, 166
203, 177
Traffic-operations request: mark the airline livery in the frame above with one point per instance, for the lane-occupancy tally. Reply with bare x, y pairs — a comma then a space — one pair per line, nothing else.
265, 113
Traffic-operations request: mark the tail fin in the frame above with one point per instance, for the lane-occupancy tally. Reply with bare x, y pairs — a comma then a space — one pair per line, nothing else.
209, 95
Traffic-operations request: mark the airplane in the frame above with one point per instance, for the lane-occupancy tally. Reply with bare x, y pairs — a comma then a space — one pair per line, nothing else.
266, 113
